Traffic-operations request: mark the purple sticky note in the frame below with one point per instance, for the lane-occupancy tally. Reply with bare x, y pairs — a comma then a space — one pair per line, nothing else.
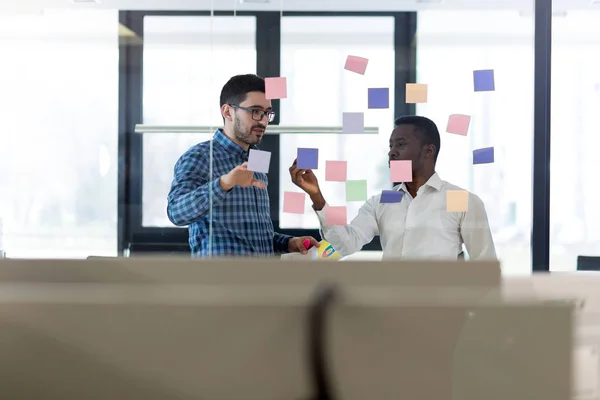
483, 156
483, 80
391, 196
379, 98
308, 158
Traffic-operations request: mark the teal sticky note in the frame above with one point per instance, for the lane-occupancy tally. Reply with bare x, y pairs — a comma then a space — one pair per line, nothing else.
356, 190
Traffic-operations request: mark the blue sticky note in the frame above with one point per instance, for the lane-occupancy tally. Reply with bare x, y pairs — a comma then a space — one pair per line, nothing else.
391, 196
308, 158
483, 80
483, 156
379, 98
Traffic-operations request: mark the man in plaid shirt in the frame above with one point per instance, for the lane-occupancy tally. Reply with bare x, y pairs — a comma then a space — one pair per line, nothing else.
233, 198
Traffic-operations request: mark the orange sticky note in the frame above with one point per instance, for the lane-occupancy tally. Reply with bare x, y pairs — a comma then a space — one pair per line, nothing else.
335, 215
293, 202
416, 93
356, 64
275, 88
458, 124
335, 171
457, 201
401, 170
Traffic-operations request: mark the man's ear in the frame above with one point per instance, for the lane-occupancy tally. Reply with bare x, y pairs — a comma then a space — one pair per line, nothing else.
226, 112
430, 150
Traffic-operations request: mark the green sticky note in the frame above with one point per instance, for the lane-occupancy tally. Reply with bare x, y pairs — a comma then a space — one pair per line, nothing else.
356, 190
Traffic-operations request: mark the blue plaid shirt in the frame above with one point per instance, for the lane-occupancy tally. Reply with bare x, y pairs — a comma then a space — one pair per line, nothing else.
241, 217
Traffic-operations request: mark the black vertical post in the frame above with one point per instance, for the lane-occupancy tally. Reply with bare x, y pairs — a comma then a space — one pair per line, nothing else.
130, 114
268, 64
540, 232
405, 46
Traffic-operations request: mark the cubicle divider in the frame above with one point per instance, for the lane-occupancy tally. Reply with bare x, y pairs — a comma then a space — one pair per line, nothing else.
265, 329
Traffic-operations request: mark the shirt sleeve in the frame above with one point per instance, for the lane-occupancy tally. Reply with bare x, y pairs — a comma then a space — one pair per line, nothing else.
351, 238
191, 191
280, 243
475, 231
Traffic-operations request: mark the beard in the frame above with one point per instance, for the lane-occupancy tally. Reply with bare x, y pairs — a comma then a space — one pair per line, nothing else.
246, 135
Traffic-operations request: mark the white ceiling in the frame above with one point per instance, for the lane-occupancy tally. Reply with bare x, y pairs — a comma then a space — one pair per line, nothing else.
289, 5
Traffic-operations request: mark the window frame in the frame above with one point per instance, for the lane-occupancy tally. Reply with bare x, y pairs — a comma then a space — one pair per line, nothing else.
131, 233
133, 236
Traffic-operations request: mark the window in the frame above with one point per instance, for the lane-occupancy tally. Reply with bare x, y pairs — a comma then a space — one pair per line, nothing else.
451, 45
187, 60
58, 145
313, 55
575, 194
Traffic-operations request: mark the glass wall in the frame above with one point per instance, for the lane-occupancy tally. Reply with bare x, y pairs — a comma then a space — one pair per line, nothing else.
58, 143
187, 60
451, 45
313, 54
575, 130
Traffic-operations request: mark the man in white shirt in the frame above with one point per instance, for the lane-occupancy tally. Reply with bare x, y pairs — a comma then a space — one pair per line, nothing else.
418, 226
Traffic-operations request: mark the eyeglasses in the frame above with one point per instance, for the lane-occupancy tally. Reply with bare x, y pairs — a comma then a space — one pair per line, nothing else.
257, 114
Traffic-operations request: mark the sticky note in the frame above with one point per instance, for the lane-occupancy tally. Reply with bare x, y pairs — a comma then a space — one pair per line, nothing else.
335, 171
275, 88
484, 80
483, 156
458, 124
416, 93
356, 64
379, 98
259, 161
391, 196
293, 202
356, 190
335, 215
308, 158
353, 122
457, 201
401, 170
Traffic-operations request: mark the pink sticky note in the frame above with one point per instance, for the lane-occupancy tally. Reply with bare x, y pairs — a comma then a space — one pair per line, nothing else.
335, 215
356, 64
275, 88
335, 171
293, 202
458, 124
401, 170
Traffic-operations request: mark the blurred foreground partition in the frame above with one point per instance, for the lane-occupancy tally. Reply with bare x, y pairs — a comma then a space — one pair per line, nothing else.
242, 329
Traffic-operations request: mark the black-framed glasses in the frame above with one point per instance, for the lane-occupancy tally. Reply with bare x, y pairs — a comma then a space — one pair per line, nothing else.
257, 113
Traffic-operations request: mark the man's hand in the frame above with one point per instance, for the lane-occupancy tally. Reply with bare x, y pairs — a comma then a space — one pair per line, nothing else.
305, 179
240, 176
296, 245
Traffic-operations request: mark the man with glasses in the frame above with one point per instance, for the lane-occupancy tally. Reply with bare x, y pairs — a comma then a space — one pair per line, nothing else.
233, 198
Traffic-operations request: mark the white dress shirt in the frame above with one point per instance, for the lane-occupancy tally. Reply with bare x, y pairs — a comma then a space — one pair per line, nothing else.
416, 228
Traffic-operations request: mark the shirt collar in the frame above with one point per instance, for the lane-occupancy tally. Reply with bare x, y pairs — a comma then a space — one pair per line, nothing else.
221, 138
434, 181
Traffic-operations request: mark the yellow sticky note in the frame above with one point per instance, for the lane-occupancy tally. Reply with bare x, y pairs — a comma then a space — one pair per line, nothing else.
416, 93
457, 201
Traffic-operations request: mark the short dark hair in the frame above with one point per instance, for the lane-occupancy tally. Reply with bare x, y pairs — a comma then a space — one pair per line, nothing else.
427, 128
237, 88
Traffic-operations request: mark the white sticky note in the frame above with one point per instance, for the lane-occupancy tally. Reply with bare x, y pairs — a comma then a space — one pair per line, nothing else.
259, 161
